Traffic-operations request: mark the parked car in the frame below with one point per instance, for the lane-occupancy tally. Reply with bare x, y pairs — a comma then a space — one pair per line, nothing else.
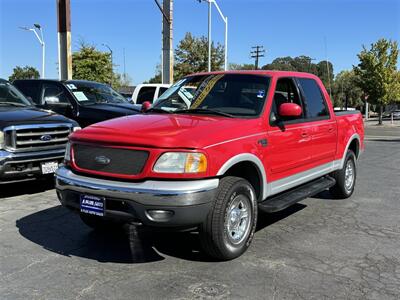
211, 152
396, 114
86, 102
148, 92
32, 141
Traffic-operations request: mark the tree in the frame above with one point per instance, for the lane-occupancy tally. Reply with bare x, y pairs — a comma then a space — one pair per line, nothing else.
120, 80
281, 63
91, 64
301, 63
378, 74
191, 56
157, 77
346, 92
325, 73
233, 66
26, 72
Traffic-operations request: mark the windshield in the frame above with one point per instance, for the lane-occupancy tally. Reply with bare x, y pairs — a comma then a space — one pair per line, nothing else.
9, 95
90, 93
240, 95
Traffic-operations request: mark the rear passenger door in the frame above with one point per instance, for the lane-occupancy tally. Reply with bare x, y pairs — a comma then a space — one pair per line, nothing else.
323, 125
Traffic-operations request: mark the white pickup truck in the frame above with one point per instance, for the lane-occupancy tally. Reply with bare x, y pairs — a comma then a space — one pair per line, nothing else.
148, 92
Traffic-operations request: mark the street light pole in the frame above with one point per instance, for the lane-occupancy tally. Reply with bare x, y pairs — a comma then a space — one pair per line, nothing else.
209, 36
225, 19
111, 53
42, 43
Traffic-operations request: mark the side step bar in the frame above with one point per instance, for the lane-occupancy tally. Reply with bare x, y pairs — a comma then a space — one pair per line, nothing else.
288, 198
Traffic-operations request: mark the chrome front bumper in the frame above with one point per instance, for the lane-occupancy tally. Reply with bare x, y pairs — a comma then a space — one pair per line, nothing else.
28, 163
188, 201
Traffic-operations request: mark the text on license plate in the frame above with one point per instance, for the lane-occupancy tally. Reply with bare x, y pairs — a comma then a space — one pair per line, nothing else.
92, 205
49, 167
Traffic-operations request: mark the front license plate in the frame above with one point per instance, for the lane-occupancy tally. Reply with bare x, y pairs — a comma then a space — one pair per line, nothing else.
49, 167
92, 205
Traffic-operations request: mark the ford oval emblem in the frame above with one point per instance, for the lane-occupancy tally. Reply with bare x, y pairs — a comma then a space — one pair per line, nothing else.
103, 160
46, 138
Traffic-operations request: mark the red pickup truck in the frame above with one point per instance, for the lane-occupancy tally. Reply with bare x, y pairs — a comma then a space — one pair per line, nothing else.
211, 152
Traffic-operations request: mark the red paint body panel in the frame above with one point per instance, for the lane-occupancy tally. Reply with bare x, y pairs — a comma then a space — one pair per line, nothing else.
299, 147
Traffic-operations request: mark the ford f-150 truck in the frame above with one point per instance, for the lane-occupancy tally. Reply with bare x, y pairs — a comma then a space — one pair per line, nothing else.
32, 140
213, 150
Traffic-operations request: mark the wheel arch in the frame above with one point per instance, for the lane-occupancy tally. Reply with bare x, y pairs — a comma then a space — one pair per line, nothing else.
243, 165
354, 145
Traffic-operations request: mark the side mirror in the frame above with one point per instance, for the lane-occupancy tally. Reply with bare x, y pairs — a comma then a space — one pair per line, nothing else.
146, 105
290, 110
51, 100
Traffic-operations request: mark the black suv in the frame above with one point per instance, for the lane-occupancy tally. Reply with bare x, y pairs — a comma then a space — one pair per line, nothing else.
86, 102
32, 141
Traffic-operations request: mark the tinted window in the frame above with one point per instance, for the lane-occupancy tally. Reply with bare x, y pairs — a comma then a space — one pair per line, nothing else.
10, 96
161, 91
146, 94
52, 92
29, 89
316, 105
88, 93
285, 92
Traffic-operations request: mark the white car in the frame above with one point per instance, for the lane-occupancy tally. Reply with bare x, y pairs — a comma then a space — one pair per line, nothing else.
148, 92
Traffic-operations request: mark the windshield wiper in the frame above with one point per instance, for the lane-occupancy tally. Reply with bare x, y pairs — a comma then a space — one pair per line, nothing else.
159, 110
12, 103
204, 111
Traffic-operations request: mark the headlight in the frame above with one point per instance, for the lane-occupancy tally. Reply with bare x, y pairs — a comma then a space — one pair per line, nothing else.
76, 128
1, 139
67, 156
181, 162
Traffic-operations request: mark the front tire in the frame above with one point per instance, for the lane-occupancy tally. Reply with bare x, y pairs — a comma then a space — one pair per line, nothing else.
231, 223
345, 177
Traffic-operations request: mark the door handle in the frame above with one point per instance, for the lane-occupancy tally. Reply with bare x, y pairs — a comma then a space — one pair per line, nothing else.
304, 134
330, 129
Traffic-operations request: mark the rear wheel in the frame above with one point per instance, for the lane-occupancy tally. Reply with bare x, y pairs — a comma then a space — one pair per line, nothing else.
345, 177
230, 225
99, 223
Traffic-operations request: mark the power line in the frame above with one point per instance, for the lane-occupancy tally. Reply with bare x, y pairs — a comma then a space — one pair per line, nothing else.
257, 53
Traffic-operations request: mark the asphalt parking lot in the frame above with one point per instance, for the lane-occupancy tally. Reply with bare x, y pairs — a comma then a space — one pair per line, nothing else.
317, 249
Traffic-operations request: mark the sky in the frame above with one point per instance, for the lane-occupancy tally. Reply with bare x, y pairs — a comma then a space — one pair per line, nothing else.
283, 27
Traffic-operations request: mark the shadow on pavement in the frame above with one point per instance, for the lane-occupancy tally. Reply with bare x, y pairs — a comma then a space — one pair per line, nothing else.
26, 187
61, 231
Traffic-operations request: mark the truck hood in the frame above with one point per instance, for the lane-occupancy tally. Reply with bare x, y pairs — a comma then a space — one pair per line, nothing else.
116, 109
168, 130
10, 115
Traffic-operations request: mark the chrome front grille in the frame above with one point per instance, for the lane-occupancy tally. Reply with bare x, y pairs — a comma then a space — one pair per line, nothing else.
36, 137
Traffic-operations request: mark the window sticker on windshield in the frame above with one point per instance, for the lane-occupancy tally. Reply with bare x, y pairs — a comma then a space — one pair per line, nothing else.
71, 86
205, 89
80, 96
261, 94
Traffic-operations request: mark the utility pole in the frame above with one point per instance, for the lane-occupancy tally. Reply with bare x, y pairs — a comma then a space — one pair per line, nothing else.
64, 39
256, 54
167, 70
